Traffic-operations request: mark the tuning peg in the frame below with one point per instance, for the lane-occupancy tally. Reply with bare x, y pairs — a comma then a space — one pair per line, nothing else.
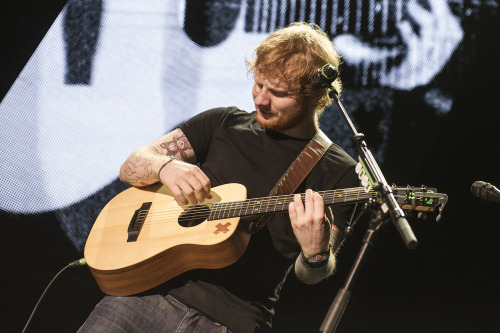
408, 193
443, 201
440, 211
422, 216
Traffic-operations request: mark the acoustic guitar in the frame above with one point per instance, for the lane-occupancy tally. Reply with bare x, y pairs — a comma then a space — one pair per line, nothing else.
144, 236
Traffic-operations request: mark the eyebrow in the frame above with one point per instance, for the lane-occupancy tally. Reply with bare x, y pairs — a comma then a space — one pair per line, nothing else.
272, 86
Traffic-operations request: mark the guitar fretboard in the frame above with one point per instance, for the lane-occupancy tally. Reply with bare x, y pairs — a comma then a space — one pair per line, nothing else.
274, 204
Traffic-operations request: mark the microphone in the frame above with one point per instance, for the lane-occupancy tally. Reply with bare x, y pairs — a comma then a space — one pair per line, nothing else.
324, 76
485, 191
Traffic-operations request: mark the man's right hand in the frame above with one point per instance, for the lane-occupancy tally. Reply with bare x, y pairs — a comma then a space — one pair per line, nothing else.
185, 181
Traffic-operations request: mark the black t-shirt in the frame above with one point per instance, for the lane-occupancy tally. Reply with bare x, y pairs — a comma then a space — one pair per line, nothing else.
231, 147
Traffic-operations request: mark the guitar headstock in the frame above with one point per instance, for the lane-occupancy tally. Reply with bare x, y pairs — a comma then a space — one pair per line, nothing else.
423, 199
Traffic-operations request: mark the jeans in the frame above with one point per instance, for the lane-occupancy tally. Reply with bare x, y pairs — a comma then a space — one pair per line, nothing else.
154, 313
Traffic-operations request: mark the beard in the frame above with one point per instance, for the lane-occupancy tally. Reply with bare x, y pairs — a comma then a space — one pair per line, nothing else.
283, 120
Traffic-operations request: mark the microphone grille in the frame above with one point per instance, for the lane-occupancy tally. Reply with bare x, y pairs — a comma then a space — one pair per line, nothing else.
479, 188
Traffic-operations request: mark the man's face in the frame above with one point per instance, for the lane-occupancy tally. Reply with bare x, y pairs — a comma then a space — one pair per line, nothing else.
276, 109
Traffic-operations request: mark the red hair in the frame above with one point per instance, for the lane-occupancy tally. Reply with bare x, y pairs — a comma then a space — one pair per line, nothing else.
292, 54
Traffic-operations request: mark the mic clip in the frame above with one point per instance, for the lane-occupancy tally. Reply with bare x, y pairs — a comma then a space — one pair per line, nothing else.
323, 77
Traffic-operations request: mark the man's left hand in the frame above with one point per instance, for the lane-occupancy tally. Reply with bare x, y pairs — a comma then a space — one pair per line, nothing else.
308, 222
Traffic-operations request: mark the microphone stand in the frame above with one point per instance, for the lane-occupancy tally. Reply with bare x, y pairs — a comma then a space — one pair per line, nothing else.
388, 207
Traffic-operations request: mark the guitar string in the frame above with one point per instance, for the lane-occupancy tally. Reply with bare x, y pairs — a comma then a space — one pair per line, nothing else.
160, 215
280, 200
247, 205
201, 209
226, 207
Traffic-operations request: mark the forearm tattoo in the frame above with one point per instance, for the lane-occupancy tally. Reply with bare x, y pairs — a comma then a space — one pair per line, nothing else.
138, 170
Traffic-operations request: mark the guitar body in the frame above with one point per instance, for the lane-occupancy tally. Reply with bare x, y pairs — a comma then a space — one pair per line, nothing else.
163, 248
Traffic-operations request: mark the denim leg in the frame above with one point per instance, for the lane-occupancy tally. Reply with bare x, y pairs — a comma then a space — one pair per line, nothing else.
154, 313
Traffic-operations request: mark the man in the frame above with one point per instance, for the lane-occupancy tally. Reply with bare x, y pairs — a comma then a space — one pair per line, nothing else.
253, 149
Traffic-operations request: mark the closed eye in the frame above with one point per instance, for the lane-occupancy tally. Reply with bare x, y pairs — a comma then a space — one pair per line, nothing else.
279, 93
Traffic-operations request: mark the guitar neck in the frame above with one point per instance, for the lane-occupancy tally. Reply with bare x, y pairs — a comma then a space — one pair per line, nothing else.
280, 203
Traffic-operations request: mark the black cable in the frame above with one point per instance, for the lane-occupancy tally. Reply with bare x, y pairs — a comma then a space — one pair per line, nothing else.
79, 262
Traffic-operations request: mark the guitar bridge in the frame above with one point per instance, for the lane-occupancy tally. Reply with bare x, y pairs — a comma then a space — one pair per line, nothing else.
135, 225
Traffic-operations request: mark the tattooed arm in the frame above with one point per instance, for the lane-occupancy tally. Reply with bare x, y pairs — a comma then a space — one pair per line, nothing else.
185, 180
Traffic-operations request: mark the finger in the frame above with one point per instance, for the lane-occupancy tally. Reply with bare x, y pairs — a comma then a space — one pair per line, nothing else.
309, 205
204, 181
298, 205
319, 207
177, 193
189, 192
292, 212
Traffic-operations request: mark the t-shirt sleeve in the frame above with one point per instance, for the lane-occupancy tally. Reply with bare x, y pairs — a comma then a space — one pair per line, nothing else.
199, 130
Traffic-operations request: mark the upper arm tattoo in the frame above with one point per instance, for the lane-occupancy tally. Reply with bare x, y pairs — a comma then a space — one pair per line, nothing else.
177, 145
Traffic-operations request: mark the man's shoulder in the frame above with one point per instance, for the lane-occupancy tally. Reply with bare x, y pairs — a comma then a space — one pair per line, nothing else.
336, 154
215, 117
231, 111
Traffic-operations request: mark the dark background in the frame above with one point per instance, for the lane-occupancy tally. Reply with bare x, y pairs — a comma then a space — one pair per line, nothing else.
450, 283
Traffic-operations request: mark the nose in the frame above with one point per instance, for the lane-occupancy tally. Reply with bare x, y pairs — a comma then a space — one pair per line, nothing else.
261, 96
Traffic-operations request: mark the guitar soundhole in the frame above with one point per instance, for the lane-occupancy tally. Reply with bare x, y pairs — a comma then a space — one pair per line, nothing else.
193, 216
